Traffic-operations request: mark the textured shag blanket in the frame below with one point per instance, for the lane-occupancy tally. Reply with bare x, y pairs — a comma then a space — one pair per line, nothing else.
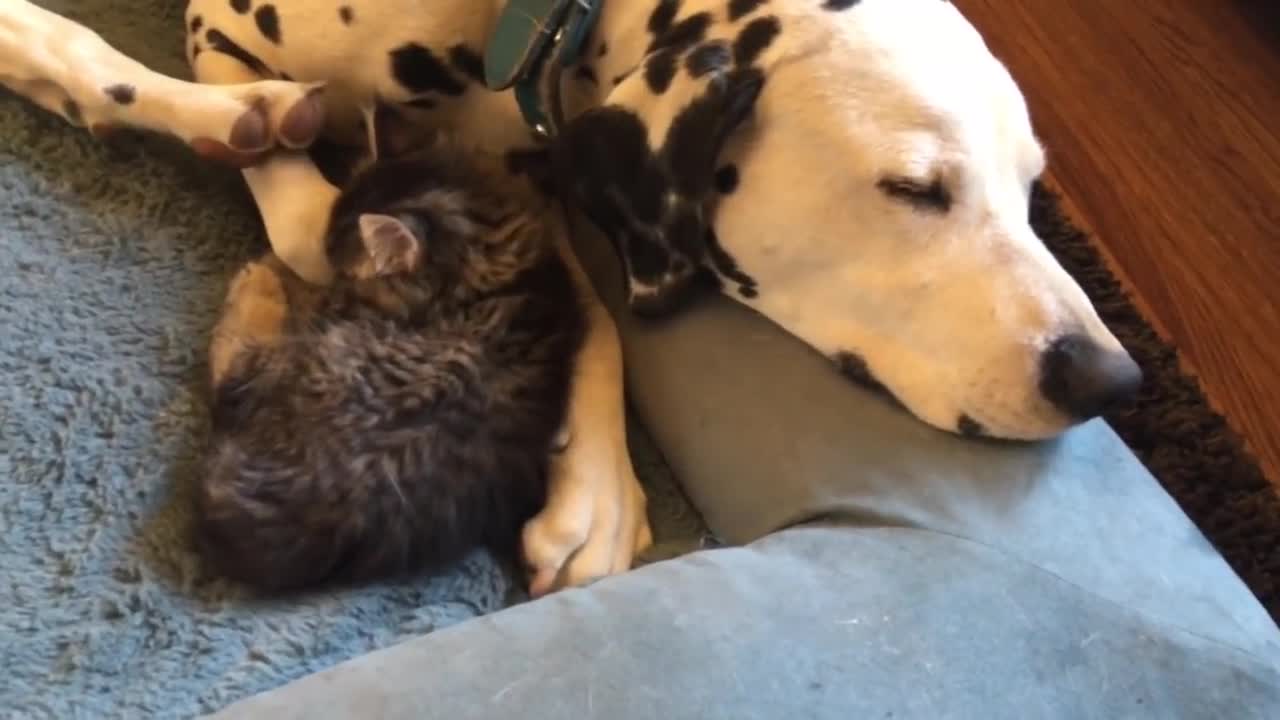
113, 259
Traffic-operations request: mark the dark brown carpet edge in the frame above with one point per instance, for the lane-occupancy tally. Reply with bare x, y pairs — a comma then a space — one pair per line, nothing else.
1185, 444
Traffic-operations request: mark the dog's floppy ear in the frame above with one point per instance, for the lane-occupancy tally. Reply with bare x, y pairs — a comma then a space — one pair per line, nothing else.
652, 204
394, 245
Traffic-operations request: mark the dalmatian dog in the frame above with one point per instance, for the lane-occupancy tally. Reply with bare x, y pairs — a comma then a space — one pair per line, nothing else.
857, 171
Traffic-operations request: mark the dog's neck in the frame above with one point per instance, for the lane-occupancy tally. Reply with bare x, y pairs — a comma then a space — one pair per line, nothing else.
615, 45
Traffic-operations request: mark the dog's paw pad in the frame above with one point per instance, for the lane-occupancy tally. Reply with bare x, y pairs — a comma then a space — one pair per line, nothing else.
303, 122
252, 131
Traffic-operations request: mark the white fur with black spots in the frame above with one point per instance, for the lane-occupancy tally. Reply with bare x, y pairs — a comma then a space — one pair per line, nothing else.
871, 195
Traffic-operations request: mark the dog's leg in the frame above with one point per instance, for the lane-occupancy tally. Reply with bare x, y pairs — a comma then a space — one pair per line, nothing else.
292, 196
70, 70
595, 520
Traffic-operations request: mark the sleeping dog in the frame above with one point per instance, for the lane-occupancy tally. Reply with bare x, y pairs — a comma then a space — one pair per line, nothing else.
858, 171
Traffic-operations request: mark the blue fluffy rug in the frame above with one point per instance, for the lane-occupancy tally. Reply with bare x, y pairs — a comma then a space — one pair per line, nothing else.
114, 260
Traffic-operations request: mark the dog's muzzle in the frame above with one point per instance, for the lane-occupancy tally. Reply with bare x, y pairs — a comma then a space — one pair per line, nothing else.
1085, 380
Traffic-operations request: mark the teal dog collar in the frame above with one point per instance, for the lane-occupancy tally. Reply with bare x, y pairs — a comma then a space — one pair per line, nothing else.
532, 35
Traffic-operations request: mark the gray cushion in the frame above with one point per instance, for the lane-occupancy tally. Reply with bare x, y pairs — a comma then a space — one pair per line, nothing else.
943, 578
810, 622
763, 433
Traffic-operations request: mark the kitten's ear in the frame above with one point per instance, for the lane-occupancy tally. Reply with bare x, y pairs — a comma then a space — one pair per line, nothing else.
393, 246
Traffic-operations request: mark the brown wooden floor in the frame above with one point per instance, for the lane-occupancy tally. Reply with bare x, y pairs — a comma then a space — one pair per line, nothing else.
1162, 124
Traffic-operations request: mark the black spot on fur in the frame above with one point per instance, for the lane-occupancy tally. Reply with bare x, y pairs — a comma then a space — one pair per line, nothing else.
604, 49
121, 93
610, 145
699, 131
219, 42
648, 259
418, 70
663, 15
241, 6
709, 57
741, 8
684, 34
651, 204
268, 22
727, 179
933, 196
286, 77
854, 367
660, 70
197, 22
468, 62
346, 14
839, 4
71, 111
586, 74
727, 265
754, 39
605, 153
969, 427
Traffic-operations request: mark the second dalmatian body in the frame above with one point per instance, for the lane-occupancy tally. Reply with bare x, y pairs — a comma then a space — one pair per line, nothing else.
858, 171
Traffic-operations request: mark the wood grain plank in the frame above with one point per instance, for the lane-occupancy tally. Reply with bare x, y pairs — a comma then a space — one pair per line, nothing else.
1162, 121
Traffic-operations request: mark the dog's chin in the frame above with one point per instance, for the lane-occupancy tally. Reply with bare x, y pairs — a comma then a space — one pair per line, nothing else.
1011, 422
1021, 431
1026, 419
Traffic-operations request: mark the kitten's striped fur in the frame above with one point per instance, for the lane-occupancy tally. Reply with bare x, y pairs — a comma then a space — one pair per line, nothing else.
404, 415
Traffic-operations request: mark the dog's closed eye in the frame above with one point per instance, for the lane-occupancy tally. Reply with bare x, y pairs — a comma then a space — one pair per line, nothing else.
925, 195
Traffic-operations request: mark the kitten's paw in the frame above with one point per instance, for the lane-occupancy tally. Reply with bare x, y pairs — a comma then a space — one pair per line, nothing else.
253, 312
595, 520
256, 284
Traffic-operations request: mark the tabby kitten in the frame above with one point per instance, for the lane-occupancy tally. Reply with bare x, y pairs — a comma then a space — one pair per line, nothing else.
403, 416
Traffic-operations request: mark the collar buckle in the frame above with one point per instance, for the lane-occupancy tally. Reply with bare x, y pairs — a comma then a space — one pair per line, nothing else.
532, 35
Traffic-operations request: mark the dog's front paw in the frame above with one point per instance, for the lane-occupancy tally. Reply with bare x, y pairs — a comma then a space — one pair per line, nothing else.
244, 122
594, 523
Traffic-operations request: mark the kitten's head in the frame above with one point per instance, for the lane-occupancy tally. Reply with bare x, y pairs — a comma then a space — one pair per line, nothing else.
440, 214
393, 223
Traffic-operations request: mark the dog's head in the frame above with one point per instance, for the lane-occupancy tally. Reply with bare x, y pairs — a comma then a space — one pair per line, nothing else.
877, 208
882, 211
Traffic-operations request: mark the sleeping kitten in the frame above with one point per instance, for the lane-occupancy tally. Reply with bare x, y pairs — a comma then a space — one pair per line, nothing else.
404, 415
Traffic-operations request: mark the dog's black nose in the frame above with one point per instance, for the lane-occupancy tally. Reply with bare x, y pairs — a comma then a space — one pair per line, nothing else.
1085, 380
